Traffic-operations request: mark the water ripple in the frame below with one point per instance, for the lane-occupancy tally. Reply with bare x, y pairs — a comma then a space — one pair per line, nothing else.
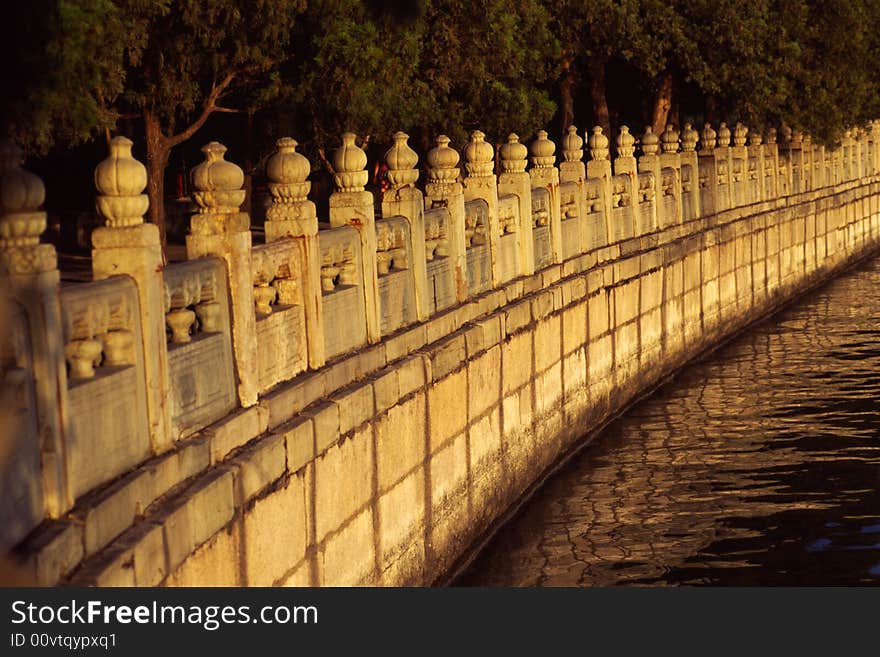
759, 466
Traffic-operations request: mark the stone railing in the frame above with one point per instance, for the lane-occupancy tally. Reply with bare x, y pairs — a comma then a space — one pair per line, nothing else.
151, 375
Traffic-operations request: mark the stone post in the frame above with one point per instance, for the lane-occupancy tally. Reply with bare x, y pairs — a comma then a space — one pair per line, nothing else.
572, 170
723, 169
875, 143
443, 189
756, 166
29, 274
220, 229
293, 216
480, 183
649, 162
669, 158
624, 164
739, 166
795, 149
690, 167
351, 205
127, 245
545, 174
771, 162
856, 167
405, 200
807, 163
515, 180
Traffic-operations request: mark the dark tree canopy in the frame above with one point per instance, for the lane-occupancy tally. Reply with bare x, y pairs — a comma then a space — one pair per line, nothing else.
320, 67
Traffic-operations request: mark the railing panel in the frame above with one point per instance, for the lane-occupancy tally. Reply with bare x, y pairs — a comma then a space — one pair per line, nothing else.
596, 223
282, 349
441, 281
344, 309
622, 212
690, 188
668, 197
508, 225
479, 263
397, 293
106, 384
740, 181
200, 360
541, 227
707, 186
568, 211
647, 214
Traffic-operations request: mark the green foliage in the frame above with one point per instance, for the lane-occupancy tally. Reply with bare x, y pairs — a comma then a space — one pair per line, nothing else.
445, 66
431, 66
72, 56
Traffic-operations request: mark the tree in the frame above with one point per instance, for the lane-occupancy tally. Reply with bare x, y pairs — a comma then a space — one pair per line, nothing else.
439, 66
172, 62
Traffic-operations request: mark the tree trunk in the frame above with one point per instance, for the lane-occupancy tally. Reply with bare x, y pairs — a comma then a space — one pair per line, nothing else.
599, 97
566, 87
249, 166
711, 109
662, 104
158, 151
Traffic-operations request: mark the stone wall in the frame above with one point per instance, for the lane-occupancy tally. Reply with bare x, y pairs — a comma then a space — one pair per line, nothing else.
339, 453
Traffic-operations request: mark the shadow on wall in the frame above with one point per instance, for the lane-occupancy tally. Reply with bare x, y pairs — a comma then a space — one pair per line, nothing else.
11, 573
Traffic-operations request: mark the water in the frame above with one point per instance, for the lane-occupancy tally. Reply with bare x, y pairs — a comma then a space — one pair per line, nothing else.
757, 466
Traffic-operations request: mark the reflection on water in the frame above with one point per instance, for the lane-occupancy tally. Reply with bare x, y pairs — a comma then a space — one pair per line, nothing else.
758, 466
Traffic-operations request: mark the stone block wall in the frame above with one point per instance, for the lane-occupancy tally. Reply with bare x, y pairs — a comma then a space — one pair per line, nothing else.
379, 442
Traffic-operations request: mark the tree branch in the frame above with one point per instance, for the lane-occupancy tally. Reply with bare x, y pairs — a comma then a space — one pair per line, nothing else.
208, 107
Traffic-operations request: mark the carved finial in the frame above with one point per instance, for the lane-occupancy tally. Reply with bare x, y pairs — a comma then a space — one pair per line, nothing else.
401, 161
755, 138
480, 156
598, 145
739, 134
121, 179
709, 137
785, 134
723, 135
288, 172
650, 142
797, 138
218, 182
669, 139
572, 145
513, 155
21, 195
771, 136
442, 161
543, 151
625, 142
689, 138
349, 165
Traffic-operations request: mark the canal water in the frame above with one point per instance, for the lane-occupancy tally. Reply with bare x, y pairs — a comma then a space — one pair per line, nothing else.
759, 465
